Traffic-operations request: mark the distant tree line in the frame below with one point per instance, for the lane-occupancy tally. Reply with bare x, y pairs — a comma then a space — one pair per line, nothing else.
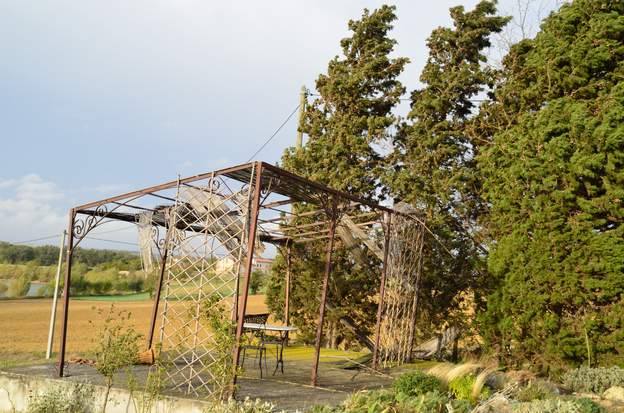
94, 271
48, 255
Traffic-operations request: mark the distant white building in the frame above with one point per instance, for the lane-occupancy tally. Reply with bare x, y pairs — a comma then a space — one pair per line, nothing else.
226, 264
262, 264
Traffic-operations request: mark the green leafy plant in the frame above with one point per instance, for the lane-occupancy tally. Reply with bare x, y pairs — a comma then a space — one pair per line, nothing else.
116, 348
383, 401
594, 380
559, 405
534, 390
75, 399
416, 383
368, 401
246, 406
222, 329
145, 397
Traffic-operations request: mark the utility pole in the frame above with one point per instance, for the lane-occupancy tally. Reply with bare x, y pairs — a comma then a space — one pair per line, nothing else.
54, 300
303, 99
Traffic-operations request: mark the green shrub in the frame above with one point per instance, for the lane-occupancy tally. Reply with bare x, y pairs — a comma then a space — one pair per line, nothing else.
370, 401
416, 383
116, 346
589, 406
535, 390
594, 380
62, 400
582, 405
382, 401
432, 402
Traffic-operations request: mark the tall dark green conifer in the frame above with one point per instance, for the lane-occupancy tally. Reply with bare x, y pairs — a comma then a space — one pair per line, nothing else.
433, 163
555, 180
353, 112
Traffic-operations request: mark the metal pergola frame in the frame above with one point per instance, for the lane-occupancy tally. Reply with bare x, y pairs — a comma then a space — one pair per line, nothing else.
272, 191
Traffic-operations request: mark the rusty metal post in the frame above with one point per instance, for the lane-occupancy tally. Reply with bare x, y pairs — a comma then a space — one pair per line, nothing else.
287, 291
319, 328
161, 276
253, 224
287, 287
68, 266
382, 287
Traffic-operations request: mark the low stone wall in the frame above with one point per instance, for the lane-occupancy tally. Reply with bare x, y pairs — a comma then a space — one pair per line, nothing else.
16, 391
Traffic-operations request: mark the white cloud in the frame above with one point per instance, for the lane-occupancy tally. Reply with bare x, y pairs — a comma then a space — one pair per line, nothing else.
29, 208
32, 207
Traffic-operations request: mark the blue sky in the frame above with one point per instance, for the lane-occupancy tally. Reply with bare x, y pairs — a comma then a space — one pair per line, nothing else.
97, 98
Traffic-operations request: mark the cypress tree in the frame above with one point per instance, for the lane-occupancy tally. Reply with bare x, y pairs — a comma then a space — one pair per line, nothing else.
350, 115
353, 110
554, 177
433, 162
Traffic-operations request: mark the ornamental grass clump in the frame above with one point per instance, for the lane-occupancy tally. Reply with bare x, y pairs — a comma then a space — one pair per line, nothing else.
593, 380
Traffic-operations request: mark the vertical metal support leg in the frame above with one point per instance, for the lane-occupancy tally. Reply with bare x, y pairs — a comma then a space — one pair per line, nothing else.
319, 328
287, 288
161, 276
382, 288
68, 264
255, 210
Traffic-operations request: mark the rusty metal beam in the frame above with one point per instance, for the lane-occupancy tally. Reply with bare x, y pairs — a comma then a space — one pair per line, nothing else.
278, 203
287, 228
283, 174
166, 185
161, 276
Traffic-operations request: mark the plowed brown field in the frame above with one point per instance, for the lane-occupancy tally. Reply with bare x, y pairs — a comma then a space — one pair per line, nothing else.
24, 325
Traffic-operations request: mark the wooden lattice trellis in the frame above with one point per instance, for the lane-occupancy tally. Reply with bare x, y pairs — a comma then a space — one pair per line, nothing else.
203, 266
403, 273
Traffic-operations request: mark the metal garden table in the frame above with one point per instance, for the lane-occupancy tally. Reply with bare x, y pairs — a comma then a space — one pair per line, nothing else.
277, 340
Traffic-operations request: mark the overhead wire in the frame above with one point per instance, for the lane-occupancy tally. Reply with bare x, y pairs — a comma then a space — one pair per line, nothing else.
113, 241
274, 134
37, 239
91, 238
115, 230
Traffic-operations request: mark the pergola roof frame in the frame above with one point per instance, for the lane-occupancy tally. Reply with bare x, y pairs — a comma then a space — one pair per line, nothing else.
266, 180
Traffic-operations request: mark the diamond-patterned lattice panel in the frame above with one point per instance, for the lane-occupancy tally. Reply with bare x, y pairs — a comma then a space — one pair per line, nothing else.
206, 244
402, 283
